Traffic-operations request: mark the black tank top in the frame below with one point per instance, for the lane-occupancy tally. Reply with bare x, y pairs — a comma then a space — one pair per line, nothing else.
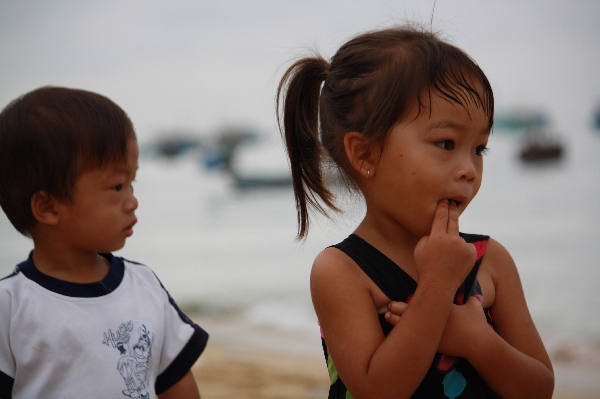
447, 377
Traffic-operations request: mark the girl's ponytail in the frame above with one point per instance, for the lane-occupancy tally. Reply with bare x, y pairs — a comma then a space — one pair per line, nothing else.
298, 93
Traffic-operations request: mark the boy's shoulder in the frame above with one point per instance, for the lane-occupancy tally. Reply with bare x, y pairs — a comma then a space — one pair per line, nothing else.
140, 271
6, 279
130, 265
13, 283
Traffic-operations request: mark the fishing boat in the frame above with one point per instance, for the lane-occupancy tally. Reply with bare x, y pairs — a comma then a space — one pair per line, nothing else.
540, 146
260, 164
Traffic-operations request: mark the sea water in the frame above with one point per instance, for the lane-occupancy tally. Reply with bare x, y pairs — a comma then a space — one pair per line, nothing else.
230, 260
222, 252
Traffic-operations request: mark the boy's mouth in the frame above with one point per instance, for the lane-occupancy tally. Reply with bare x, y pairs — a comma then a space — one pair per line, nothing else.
128, 231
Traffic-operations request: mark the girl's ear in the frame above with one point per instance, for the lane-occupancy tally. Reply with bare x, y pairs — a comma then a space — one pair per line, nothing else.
43, 207
362, 155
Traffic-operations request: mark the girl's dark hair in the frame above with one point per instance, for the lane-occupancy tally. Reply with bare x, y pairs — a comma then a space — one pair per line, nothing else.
370, 84
48, 137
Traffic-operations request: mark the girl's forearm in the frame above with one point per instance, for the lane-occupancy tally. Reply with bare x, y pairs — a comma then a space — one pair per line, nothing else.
410, 347
510, 372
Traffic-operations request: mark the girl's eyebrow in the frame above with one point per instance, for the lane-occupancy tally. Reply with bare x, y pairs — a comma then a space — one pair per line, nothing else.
446, 123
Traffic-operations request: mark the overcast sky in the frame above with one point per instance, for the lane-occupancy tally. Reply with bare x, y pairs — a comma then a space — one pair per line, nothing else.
199, 65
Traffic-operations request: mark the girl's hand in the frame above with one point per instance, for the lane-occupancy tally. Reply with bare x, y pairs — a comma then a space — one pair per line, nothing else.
395, 311
465, 327
443, 256
465, 330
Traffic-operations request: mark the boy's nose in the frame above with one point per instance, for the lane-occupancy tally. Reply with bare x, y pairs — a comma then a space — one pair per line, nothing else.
131, 204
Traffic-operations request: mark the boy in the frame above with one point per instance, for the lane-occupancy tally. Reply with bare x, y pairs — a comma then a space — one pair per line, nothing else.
76, 321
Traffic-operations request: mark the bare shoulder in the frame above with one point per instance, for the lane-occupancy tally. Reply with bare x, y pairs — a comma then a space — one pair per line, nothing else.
499, 264
334, 265
340, 289
496, 262
331, 260
338, 284
497, 256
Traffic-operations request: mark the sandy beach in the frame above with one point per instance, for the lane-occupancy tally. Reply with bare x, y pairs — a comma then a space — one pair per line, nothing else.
257, 362
245, 373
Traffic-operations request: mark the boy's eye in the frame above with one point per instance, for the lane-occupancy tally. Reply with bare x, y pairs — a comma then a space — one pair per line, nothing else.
481, 150
445, 144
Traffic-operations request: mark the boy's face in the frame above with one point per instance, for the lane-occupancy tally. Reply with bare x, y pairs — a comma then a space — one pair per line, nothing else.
101, 214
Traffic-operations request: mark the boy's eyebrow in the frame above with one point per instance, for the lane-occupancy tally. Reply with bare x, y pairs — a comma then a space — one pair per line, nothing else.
124, 169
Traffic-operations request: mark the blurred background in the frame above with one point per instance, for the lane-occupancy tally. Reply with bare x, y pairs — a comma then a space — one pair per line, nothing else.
216, 215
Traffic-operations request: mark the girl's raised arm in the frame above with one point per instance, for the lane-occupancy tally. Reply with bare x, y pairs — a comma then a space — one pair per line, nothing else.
371, 365
511, 359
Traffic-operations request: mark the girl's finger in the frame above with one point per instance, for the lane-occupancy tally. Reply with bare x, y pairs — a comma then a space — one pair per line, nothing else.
452, 218
440, 219
392, 318
397, 308
395, 312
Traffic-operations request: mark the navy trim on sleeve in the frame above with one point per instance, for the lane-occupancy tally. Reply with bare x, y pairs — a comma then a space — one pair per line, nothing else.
6, 386
188, 355
183, 362
14, 273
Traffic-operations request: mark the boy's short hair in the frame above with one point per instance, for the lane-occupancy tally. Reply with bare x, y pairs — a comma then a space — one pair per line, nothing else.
48, 137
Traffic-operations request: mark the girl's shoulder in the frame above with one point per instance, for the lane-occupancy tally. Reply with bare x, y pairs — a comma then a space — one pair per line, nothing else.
335, 275
340, 260
498, 274
335, 256
346, 272
333, 263
497, 261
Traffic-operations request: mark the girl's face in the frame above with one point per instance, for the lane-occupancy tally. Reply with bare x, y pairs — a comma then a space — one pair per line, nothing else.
426, 158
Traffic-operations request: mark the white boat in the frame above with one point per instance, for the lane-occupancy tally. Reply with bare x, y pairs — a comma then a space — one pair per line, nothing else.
261, 164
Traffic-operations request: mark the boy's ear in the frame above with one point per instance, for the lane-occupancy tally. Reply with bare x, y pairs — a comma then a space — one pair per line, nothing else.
43, 208
362, 155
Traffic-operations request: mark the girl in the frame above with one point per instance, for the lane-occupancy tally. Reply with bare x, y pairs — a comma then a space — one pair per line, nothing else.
406, 302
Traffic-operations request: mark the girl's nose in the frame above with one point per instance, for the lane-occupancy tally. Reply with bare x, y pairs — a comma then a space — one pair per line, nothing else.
467, 169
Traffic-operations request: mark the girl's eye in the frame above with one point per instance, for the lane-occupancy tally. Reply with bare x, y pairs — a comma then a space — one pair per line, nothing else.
445, 145
118, 187
481, 150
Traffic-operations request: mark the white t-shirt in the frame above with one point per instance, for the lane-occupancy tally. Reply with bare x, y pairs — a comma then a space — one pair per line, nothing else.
121, 337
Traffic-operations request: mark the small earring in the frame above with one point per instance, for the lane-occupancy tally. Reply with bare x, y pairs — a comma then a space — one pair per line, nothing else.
368, 173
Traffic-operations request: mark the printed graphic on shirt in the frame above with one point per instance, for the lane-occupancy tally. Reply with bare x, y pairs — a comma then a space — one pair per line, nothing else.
135, 358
